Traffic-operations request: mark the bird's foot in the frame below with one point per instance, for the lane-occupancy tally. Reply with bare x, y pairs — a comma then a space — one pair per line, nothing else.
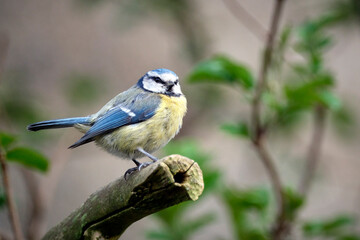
138, 167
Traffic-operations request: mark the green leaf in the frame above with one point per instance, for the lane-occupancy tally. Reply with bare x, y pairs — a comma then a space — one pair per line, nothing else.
293, 202
6, 140
332, 227
2, 199
258, 199
330, 100
170, 216
248, 209
345, 122
349, 237
285, 37
29, 158
307, 94
240, 129
159, 235
221, 69
345, 13
300, 69
312, 38
212, 179
177, 228
196, 224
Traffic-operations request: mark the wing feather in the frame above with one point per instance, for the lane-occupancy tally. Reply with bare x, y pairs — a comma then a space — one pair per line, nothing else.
140, 109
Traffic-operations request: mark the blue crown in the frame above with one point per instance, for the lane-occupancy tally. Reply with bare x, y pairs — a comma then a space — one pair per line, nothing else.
162, 71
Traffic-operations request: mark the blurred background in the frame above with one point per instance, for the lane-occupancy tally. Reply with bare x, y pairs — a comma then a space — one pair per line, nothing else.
68, 58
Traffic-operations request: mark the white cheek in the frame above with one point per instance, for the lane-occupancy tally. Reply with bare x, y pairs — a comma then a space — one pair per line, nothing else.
176, 89
153, 86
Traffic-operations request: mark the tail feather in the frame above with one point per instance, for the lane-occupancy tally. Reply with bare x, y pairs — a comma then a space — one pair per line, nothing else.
58, 123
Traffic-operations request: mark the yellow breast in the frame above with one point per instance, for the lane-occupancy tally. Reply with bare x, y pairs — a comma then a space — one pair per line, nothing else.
171, 112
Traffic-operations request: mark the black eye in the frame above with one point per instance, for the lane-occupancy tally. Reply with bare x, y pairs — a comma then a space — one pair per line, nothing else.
176, 82
158, 80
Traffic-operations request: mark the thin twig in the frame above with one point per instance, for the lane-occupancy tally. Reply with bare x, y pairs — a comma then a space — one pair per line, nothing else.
4, 47
250, 22
14, 217
37, 213
42, 192
271, 169
256, 108
4, 236
259, 129
314, 150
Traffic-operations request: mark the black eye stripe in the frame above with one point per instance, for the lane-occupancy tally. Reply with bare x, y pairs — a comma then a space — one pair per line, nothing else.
158, 80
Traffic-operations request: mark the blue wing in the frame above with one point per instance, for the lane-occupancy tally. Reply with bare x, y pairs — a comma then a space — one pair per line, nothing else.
140, 109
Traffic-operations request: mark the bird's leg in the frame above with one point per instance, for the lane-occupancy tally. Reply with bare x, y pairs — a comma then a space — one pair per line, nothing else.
154, 159
136, 162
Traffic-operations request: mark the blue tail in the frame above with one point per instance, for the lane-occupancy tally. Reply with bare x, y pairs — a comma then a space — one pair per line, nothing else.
58, 123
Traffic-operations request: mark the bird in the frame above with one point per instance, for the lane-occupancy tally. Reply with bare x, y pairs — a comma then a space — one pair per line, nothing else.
136, 122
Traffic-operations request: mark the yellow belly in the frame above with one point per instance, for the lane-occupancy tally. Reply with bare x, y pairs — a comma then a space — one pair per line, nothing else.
151, 134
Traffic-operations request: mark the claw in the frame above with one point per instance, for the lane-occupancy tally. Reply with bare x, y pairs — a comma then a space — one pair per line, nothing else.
138, 167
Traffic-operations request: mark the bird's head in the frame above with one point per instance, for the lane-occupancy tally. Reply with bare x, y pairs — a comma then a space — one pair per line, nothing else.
161, 81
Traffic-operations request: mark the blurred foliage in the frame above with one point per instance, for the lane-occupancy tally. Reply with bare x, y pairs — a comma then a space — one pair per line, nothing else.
82, 89
240, 129
6, 140
27, 157
249, 211
344, 12
175, 225
14, 99
221, 69
180, 13
295, 88
2, 199
338, 227
293, 202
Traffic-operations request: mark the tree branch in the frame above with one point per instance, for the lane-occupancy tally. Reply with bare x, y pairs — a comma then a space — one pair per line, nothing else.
259, 129
4, 47
314, 150
251, 23
14, 217
261, 84
108, 212
38, 209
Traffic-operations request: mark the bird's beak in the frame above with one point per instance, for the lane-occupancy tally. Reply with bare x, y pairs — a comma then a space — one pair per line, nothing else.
169, 86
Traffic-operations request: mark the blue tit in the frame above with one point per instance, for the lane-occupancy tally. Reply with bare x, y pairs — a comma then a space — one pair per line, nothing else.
136, 122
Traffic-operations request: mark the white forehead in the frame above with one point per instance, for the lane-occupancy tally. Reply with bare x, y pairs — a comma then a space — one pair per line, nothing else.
165, 76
